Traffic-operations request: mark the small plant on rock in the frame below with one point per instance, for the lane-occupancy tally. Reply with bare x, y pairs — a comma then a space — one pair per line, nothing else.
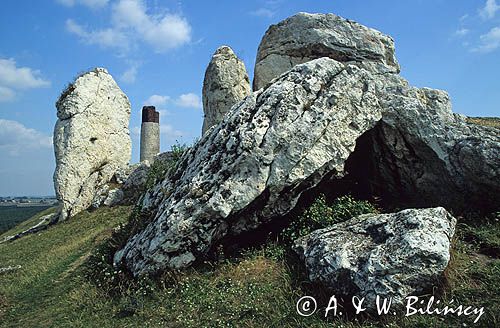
320, 215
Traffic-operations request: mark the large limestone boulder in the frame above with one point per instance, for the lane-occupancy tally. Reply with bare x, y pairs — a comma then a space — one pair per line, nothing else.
303, 37
297, 133
226, 83
252, 167
421, 154
389, 255
91, 139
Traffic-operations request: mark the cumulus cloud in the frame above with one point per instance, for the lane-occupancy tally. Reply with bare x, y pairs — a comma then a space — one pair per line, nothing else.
15, 138
131, 22
17, 78
189, 100
162, 32
489, 10
105, 38
94, 4
489, 41
6, 94
156, 100
130, 74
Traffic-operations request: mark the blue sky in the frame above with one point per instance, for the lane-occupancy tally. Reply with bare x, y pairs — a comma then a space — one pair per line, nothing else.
157, 51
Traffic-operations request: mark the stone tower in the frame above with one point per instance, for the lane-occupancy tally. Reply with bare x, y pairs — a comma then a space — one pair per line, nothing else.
150, 133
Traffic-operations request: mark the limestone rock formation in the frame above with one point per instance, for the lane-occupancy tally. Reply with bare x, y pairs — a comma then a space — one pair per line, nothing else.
390, 255
91, 139
304, 37
298, 132
421, 154
134, 185
226, 83
251, 168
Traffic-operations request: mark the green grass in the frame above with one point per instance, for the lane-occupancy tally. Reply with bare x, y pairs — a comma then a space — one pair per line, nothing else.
257, 289
10, 216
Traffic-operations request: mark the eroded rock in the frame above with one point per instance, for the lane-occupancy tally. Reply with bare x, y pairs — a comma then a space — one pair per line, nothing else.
226, 83
304, 37
421, 154
91, 139
251, 168
390, 255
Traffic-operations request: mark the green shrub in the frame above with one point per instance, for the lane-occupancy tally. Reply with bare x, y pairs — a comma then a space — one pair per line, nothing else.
321, 215
160, 168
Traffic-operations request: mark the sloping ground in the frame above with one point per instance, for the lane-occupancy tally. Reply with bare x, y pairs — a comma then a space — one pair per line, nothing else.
486, 121
259, 289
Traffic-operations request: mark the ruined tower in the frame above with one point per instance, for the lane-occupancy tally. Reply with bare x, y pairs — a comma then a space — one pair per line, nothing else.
150, 133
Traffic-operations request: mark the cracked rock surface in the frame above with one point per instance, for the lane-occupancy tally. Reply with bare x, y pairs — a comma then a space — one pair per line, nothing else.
253, 166
421, 154
299, 129
391, 255
91, 139
304, 37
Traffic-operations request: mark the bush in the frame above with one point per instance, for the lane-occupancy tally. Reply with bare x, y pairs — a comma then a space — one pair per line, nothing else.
160, 168
321, 215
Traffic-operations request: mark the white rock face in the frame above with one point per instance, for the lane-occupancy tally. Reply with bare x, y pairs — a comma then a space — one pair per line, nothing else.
226, 83
421, 154
390, 255
253, 166
91, 139
304, 37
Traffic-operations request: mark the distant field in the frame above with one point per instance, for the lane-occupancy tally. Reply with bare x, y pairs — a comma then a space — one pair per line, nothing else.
10, 216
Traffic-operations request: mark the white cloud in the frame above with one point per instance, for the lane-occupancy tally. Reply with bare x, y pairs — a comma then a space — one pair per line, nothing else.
489, 10
156, 100
190, 100
130, 22
489, 41
16, 138
130, 74
106, 38
462, 32
162, 32
17, 78
6, 94
93, 4
263, 12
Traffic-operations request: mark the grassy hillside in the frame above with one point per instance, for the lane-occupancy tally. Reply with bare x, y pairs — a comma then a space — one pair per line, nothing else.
257, 289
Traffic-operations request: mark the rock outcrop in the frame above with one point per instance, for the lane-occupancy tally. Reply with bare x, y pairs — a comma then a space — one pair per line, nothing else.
226, 83
251, 168
304, 37
134, 185
421, 154
298, 132
91, 139
389, 255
